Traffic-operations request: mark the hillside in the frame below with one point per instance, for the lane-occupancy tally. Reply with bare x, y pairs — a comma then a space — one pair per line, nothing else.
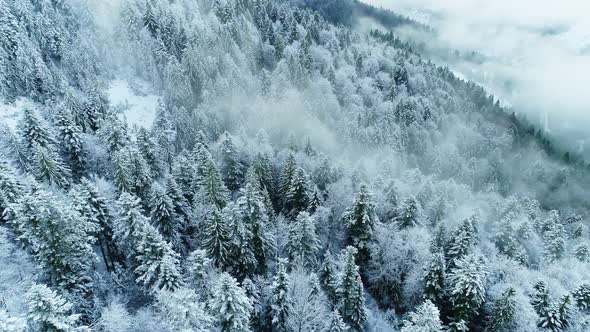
244, 165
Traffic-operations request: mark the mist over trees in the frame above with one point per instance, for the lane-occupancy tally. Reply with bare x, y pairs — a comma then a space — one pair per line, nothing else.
297, 176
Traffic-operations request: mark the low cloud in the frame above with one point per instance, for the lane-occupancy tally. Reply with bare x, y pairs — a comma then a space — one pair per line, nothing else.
535, 55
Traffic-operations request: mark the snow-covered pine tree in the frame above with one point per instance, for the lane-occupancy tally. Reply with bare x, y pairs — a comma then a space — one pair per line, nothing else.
287, 174
183, 310
49, 311
360, 219
207, 184
230, 304
231, 166
582, 297
280, 306
408, 215
158, 265
329, 277
297, 196
48, 167
503, 312
350, 291
303, 244
33, 130
434, 279
336, 323
466, 287
426, 318
130, 222
217, 240
71, 142
10, 188
554, 242
163, 215
147, 146
462, 241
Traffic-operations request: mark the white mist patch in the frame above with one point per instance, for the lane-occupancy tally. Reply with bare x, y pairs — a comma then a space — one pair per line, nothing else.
138, 109
10, 113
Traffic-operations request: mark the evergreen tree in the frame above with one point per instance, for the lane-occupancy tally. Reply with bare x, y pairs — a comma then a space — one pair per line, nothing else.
49, 311
163, 215
122, 172
350, 291
217, 239
70, 139
360, 220
503, 311
554, 242
287, 174
323, 175
303, 244
230, 304
264, 172
337, 324
408, 215
158, 266
467, 287
462, 241
424, 319
281, 303
197, 265
329, 277
148, 148
540, 299
297, 196
10, 189
48, 167
434, 279
33, 130
582, 297
183, 310
231, 169
92, 206
207, 184
130, 222
242, 258
254, 217
504, 236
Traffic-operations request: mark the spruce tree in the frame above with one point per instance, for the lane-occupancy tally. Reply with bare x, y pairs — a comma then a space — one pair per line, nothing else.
582, 297
467, 287
350, 291
33, 130
303, 244
280, 303
163, 215
231, 168
424, 319
230, 304
217, 239
297, 196
183, 310
336, 323
70, 139
207, 184
503, 312
329, 277
408, 215
434, 279
10, 189
48, 167
554, 242
287, 174
360, 219
462, 241
49, 311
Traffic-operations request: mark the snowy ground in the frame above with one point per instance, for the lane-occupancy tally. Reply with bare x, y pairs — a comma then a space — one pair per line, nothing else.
9, 113
139, 109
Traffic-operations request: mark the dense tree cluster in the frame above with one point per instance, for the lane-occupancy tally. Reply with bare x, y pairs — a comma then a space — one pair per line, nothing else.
298, 176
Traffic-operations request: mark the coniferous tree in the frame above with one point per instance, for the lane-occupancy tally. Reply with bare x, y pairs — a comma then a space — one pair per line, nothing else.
231, 169
208, 186
554, 242
287, 174
408, 215
467, 287
49, 311
48, 167
424, 319
33, 130
462, 241
360, 219
230, 304
281, 303
434, 279
337, 324
303, 244
329, 277
70, 138
148, 148
158, 266
197, 266
130, 222
10, 189
350, 291
297, 196
163, 215
323, 174
503, 312
582, 297
183, 310
217, 239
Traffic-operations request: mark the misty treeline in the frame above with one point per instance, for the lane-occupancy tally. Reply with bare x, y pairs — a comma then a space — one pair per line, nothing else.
297, 177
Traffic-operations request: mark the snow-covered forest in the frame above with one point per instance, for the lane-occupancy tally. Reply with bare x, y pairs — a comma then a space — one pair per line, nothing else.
264, 165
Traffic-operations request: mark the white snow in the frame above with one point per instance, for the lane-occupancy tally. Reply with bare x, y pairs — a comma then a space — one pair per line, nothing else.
9, 113
138, 109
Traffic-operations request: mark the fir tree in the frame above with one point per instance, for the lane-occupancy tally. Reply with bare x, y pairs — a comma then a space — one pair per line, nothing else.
183, 310
350, 291
297, 196
10, 189
582, 297
70, 138
231, 169
434, 279
158, 266
408, 215
360, 220
49, 311
33, 130
207, 184
329, 277
424, 319
148, 148
554, 242
462, 241
217, 239
197, 265
130, 222
48, 167
503, 312
230, 304
303, 242
323, 175
281, 303
287, 174
163, 215
467, 287
337, 324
